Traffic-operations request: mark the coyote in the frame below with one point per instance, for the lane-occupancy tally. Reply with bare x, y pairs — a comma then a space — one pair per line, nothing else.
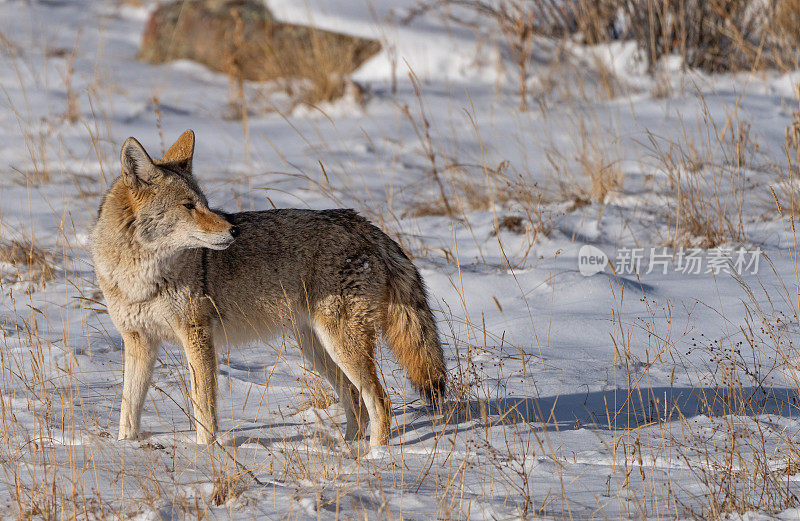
173, 270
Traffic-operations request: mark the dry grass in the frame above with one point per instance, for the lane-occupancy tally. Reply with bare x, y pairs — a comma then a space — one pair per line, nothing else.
521, 24
465, 192
317, 72
317, 394
783, 35
227, 488
715, 35
786, 20
596, 20
465, 187
592, 173
740, 457
740, 468
786, 192
705, 182
517, 22
23, 261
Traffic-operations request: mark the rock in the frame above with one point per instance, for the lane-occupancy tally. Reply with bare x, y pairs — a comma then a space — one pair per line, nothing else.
242, 39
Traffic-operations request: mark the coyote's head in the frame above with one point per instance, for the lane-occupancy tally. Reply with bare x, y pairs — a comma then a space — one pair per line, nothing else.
167, 207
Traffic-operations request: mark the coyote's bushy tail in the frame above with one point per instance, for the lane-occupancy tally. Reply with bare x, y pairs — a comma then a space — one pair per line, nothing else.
409, 327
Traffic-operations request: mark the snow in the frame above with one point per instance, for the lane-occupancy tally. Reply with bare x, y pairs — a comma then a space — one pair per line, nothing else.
575, 396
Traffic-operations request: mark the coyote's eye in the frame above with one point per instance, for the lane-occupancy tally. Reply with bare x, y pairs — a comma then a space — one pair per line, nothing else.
189, 206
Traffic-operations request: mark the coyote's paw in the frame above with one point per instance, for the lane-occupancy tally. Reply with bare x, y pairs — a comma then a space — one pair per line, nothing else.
379, 452
127, 435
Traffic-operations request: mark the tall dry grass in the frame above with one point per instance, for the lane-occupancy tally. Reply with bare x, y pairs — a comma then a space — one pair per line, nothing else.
42, 401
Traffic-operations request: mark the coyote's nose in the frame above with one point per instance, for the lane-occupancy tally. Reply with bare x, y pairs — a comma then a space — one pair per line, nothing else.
234, 231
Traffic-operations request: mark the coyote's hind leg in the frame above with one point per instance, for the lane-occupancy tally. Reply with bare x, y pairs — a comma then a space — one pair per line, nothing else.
314, 351
352, 347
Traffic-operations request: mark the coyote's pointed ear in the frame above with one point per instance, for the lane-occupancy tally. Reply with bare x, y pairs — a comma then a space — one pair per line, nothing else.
181, 151
137, 167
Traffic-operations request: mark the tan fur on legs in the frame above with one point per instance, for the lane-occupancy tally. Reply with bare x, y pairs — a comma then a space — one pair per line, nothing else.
354, 408
198, 345
140, 358
352, 346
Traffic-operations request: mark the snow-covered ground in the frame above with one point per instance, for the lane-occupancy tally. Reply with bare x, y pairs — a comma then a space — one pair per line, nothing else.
664, 392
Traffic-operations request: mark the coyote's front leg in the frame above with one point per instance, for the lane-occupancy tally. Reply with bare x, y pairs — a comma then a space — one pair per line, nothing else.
140, 357
198, 344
